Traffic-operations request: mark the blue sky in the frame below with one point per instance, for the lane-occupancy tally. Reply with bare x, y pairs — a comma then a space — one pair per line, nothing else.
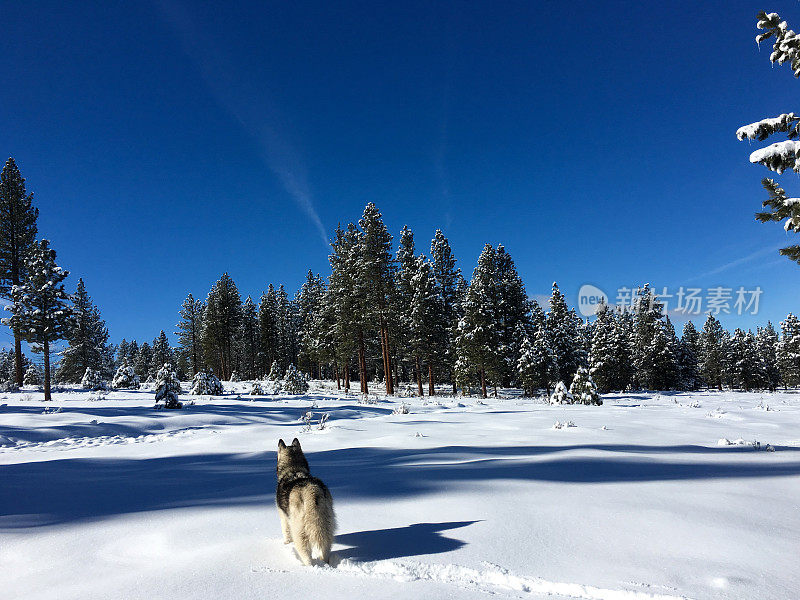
169, 141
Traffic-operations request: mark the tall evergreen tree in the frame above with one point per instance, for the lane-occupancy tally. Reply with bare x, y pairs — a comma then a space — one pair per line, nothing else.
767, 346
40, 309
604, 354
451, 287
425, 331
248, 337
268, 328
478, 332
143, 365
221, 324
688, 370
162, 351
537, 367
788, 351
17, 238
376, 276
513, 314
309, 305
190, 329
88, 341
562, 329
711, 352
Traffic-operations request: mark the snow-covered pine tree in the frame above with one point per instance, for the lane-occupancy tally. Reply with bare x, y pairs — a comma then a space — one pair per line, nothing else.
561, 395
603, 356
375, 274
93, 380
190, 328
451, 287
788, 351
404, 294
562, 329
513, 313
162, 351
88, 340
205, 383
649, 339
221, 323
168, 386
478, 332
688, 369
274, 372
249, 340
40, 311
583, 390
425, 333
256, 389
781, 155
17, 238
33, 375
309, 305
711, 352
143, 364
268, 328
536, 367
294, 382
125, 377
766, 346
746, 369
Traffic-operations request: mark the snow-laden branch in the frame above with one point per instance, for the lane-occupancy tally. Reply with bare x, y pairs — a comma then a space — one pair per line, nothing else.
786, 48
779, 156
761, 130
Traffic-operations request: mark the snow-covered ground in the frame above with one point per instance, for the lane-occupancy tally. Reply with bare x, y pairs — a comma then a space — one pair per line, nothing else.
642, 498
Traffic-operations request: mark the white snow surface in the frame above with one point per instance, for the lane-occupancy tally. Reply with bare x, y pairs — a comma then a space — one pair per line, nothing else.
648, 497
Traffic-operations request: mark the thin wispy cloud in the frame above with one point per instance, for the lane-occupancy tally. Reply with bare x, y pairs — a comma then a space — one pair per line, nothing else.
250, 104
738, 262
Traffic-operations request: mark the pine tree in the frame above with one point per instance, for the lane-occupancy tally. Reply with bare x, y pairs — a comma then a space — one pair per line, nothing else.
40, 311
604, 353
478, 333
162, 352
144, 362
711, 352
221, 324
746, 370
583, 390
309, 305
268, 328
781, 155
766, 346
294, 382
536, 366
563, 333
17, 239
125, 377
513, 314
88, 340
649, 339
425, 332
93, 380
561, 395
190, 328
376, 277
33, 375
249, 339
168, 386
788, 351
205, 383
451, 287
688, 370
407, 266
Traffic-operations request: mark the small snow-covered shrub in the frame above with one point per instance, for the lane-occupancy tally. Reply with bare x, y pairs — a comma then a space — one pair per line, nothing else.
583, 389
274, 372
256, 390
401, 410
9, 386
234, 377
92, 380
561, 395
205, 383
560, 425
125, 377
168, 386
33, 376
294, 382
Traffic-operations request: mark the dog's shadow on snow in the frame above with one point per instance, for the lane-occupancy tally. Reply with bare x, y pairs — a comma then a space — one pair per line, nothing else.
400, 542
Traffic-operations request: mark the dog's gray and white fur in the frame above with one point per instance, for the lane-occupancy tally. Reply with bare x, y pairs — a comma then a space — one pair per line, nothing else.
304, 504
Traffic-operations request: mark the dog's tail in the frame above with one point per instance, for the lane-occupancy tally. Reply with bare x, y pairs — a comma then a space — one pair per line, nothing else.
319, 519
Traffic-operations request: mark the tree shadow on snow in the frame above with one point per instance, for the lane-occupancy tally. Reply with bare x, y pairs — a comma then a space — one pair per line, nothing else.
400, 542
74, 489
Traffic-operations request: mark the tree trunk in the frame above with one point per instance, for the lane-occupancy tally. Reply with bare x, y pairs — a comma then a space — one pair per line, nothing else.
419, 377
431, 391
18, 359
346, 376
46, 347
362, 363
483, 383
455, 388
336, 372
387, 361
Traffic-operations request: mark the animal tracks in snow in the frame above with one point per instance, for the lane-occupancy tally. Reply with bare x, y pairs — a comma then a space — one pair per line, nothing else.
490, 579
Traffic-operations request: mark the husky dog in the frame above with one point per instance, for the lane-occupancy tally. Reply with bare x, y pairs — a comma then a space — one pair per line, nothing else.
304, 504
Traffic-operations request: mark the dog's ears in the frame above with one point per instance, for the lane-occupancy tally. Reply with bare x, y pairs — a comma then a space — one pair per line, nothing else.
296, 443
281, 445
